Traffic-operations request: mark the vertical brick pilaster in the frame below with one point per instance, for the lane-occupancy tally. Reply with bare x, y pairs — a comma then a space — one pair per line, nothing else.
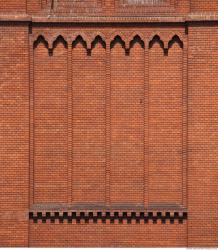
69, 117
185, 123
108, 122
146, 125
31, 110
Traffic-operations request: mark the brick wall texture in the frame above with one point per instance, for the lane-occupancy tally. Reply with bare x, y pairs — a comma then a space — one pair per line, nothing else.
109, 123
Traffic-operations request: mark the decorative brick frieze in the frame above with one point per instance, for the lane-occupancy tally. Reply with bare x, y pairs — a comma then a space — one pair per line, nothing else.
108, 216
127, 37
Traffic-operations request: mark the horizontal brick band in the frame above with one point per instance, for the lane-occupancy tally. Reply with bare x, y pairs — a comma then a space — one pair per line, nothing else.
112, 217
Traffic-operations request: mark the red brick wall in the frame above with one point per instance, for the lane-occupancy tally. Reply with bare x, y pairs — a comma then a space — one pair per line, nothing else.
165, 125
202, 6
14, 134
14, 6
116, 124
50, 124
127, 125
101, 235
88, 123
203, 115
109, 117
32, 6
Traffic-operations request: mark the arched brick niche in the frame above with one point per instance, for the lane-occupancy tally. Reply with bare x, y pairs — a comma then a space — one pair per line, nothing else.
50, 122
165, 122
109, 124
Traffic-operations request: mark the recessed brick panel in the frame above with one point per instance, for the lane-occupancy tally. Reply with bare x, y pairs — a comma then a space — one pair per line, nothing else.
88, 93
50, 124
127, 125
165, 125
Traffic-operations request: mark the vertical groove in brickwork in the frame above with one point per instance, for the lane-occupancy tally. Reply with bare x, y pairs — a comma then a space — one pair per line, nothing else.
185, 122
73, 75
146, 125
108, 123
31, 110
69, 117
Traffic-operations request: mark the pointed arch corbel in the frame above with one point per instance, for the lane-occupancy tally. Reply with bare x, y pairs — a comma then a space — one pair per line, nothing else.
175, 39
96, 34
123, 37
158, 40
119, 40
98, 39
140, 34
85, 37
59, 39
136, 39
40, 39
79, 40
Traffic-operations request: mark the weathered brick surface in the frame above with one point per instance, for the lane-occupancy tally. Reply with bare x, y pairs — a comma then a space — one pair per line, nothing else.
88, 123
165, 125
14, 134
203, 129
50, 124
18, 6
116, 235
200, 6
127, 134
108, 131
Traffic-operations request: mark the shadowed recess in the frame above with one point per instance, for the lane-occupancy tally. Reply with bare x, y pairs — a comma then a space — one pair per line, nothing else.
79, 40
135, 40
112, 217
58, 40
118, 40
39, 40
174, 40
156, 40
98, 39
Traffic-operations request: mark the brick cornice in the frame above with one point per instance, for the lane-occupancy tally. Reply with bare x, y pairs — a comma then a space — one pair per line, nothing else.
15, 17
192, 17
